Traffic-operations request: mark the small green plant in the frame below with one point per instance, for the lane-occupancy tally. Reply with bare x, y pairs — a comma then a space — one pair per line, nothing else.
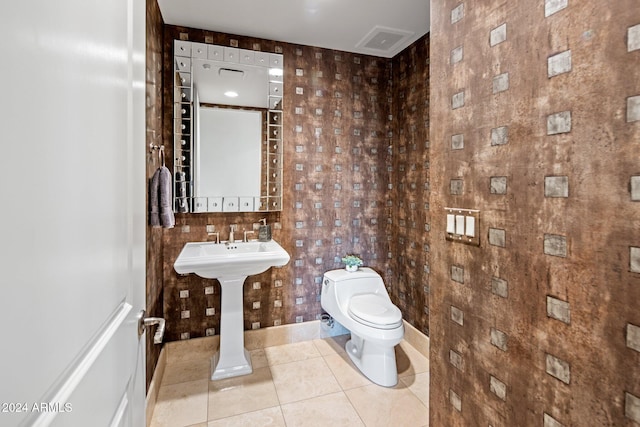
352, 261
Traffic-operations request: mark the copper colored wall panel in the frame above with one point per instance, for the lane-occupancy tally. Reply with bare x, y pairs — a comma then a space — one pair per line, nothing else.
154, 281
409, 195
339, 188
534, 123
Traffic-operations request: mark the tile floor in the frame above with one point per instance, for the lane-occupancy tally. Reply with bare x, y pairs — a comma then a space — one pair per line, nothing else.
310, 383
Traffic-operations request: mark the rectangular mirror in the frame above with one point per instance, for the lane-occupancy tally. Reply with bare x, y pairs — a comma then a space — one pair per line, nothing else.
227, 129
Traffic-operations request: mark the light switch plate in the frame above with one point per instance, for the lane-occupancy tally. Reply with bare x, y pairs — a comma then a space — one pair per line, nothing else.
463, 225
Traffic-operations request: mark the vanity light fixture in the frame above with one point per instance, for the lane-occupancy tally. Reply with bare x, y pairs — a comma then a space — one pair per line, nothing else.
231, 94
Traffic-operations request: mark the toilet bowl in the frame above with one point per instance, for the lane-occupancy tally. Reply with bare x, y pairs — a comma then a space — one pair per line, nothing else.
359, 301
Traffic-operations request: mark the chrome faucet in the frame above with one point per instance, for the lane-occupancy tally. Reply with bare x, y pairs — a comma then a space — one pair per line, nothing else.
211, 231
231, 233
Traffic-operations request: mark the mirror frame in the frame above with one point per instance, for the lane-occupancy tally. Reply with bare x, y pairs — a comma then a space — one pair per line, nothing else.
183, 144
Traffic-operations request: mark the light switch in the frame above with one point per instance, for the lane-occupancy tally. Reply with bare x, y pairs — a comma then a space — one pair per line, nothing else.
451, 225
470, 229
460, 224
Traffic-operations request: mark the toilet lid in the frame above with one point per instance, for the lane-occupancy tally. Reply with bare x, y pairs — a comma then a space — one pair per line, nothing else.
375, 311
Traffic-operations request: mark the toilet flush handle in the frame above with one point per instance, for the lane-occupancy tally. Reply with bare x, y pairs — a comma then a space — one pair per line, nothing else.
143, 322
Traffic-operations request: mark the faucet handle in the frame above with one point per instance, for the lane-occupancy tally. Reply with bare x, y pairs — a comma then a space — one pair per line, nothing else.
234, 227
245, 234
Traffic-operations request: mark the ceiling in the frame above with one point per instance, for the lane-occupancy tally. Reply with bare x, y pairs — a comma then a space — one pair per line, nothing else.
371, 27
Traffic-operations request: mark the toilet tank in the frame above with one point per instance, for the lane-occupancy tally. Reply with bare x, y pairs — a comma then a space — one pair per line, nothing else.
346, 284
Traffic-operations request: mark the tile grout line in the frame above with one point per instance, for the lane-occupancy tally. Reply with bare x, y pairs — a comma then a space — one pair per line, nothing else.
319, 354
344, 392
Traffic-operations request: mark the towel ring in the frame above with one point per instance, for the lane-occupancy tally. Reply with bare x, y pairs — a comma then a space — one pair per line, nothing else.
160, 149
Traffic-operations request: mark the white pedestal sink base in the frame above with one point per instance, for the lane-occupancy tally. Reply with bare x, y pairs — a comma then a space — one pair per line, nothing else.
240, 366
231, 359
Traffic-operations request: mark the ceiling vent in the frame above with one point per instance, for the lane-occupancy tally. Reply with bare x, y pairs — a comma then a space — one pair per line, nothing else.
384, 41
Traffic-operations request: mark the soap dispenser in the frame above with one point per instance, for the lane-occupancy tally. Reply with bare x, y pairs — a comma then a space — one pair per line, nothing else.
264, 233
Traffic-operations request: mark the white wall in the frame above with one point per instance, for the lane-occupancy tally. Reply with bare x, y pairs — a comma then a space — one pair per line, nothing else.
72, 184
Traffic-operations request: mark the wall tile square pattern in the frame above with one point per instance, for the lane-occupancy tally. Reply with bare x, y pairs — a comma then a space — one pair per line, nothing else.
153, 119
390, 199
551, 314
355, 181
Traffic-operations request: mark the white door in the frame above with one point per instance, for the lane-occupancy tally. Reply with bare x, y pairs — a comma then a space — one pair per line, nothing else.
72, 212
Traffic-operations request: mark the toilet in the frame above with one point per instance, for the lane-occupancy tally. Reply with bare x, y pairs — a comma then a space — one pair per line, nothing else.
359, 301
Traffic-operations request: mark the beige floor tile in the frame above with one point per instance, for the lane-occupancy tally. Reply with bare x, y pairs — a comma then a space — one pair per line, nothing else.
258, 359
181, 404
409, 360
291, 352
332, 345
196, 348
189, 370
333, 410
233, 396
347, 374
383, 407
270, 417
298, 383
419, 385
303, 379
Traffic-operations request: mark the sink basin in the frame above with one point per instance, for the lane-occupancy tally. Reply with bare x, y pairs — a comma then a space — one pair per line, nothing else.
230, 263
218, 260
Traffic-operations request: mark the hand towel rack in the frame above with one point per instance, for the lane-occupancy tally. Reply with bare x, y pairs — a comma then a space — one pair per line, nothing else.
160, 149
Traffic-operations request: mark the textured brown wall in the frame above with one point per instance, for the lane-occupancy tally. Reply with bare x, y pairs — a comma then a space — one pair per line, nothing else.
340, 176
539, 323
409, 197
153, 136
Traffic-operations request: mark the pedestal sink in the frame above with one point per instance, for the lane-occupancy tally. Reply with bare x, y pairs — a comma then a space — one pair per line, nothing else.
230, 263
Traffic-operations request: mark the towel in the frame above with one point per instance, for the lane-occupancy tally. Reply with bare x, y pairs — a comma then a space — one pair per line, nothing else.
167, 220
154, 203
160, 199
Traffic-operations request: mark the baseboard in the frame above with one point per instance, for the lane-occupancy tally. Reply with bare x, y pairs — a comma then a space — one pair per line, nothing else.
154, 386
417, 339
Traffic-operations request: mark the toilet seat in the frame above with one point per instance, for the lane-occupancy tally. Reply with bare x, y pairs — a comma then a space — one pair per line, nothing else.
375, 311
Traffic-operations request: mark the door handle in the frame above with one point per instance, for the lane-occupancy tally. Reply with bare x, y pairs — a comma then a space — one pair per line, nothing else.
143, 322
